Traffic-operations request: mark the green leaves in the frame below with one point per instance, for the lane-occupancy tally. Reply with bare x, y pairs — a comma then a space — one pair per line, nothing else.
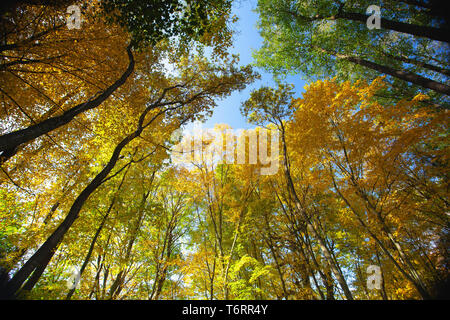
268, 105
151, 21
311, 37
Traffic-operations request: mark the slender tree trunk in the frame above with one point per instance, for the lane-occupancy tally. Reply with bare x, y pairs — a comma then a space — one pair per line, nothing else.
268, 240
309, 270
96, 285
97, 233
400, 74
163, 276
241, 217
362, 278
412, 271
383, 287
117, 285
439, 34
299, 243
43, 255
328, 282
417, 63
422, 291
161, 263
309, 226
436, 8
309, 249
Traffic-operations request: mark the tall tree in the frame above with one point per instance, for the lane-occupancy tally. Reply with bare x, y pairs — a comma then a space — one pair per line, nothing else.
330, 38
193, 20
191, 95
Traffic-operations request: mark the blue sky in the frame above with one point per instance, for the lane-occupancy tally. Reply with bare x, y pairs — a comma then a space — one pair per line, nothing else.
246, 40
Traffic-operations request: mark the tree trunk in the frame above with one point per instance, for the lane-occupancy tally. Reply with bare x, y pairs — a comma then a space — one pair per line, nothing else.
383, 287
10, 142
117, 285
97, 233
269, 243
309, 226
417, 63
422, 291
402, 75
43, 255
439, 34
436, 8
328, 282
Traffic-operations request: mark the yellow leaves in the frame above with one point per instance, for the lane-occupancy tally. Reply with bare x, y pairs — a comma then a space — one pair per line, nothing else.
406, 292
258, 270
332, 115
229, 228
244, 260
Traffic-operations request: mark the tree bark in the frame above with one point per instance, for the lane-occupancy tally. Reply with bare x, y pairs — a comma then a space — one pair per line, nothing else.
422, 291
10, 142
97, 234
417, 63
310, 228
408, 28
117, 285
436, 8
403, 75
43, 255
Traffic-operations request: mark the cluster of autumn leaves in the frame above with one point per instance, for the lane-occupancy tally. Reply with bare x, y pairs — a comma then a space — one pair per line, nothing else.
360, 182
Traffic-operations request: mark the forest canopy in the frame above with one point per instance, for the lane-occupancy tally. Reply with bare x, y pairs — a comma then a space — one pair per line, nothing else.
339, 192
